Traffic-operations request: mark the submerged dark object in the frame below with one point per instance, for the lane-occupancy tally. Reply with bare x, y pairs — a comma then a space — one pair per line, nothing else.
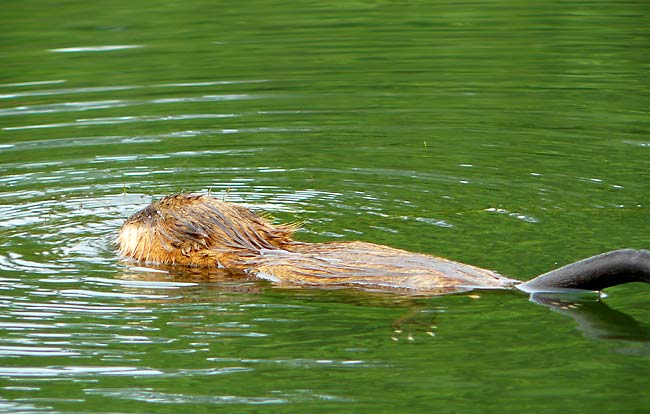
200, 231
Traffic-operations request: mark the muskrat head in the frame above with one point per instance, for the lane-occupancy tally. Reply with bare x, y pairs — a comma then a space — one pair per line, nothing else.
196, 230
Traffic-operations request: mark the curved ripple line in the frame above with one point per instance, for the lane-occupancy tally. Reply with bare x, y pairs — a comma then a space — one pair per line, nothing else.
304, 362
214, 371
19, 326
85, 293
15, 263
62, 107
48, 92
32, 83
121, 120
117, 103
35, 351
106, 48
142, 284
149, 396
75, 370
137, 139
209, 83
519, 216
94, 309
204, 98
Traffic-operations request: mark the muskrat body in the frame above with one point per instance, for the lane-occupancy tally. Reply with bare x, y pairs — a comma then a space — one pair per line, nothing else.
200, 231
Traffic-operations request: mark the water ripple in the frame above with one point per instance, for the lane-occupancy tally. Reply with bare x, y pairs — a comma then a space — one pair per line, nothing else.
86, 293
518, 216
141, 283
149, 396
106, 48
117, 103
32, 83
82, 308
62, 107
34, 351
95, 89
136, 139
209, 83
15, 263
48, 92
75, 371
122, 120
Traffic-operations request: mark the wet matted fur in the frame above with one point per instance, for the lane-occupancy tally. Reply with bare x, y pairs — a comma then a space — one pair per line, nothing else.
200, 231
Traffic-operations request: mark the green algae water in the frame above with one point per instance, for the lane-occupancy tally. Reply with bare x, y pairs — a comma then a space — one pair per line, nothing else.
510, 135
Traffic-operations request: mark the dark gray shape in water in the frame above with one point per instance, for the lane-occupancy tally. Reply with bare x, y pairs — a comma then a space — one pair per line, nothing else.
595, 273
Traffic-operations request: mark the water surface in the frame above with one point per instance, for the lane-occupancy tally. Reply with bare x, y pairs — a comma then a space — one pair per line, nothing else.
506, 135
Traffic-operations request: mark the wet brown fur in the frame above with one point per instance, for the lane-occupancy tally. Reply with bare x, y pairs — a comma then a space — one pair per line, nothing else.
200, 231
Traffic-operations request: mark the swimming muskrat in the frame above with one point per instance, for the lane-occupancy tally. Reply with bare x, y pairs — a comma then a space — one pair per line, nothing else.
200, 231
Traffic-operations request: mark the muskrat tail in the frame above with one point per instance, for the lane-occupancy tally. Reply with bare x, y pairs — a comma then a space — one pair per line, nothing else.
596, 273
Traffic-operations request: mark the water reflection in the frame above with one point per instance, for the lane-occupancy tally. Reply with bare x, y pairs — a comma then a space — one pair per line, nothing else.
106, 48
75, 371
117, 103
595, 318
97, 89
122, 120
150, 396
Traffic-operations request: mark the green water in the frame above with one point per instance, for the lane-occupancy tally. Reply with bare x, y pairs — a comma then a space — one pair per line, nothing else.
509, 135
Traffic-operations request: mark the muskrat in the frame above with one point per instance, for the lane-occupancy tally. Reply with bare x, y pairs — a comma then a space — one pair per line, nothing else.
200, 231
